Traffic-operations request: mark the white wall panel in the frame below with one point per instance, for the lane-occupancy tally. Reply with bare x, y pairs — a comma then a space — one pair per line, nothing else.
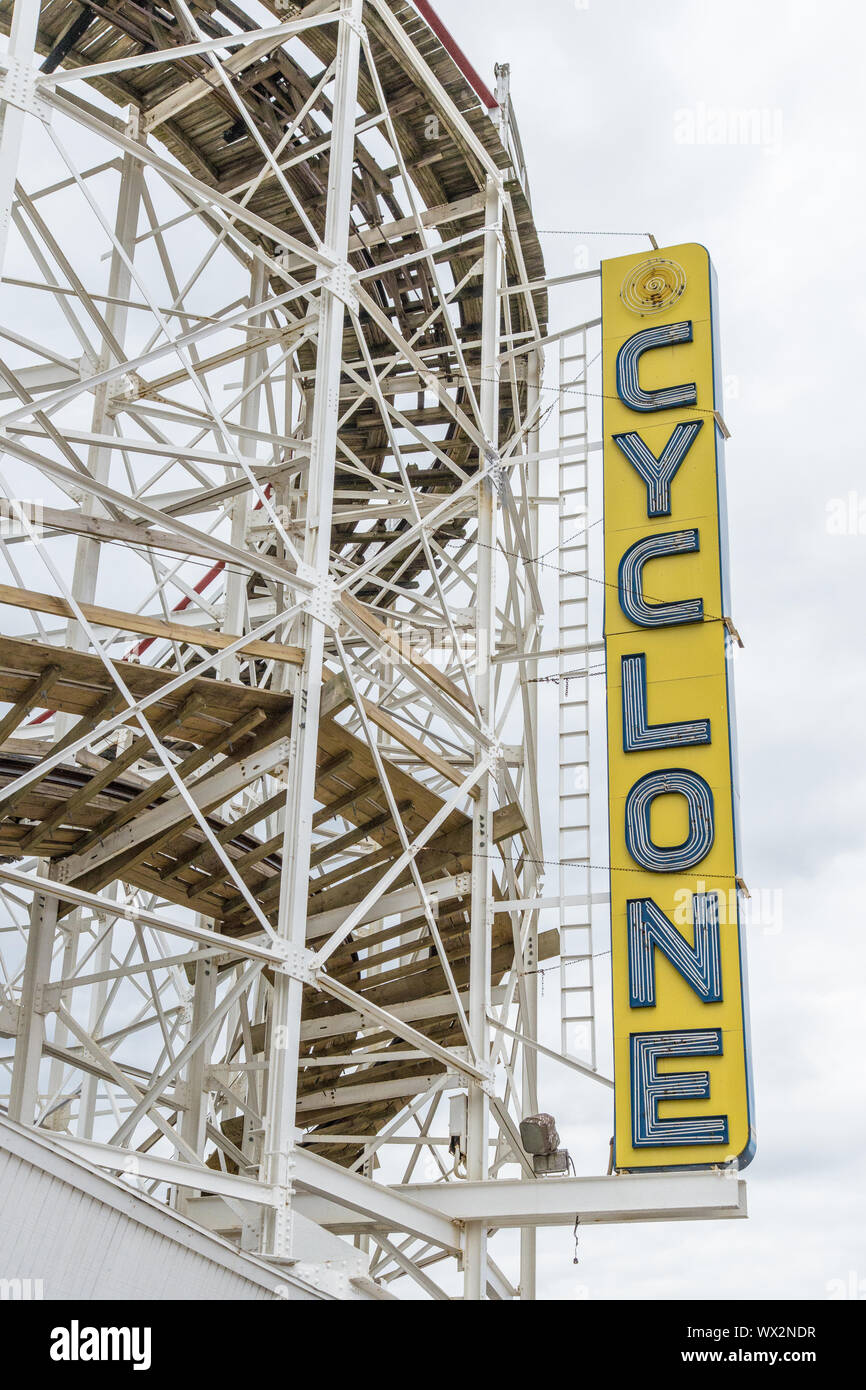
89, 1236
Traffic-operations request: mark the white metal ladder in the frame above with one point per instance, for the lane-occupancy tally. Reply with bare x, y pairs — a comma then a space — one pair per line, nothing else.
577, 991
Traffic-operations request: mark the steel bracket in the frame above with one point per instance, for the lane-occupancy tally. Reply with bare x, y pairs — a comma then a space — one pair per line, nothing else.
340, 281
283, 1227
496, 473
332, 1276
10, 1020
356, 28
297, 962
322, 602
20, 86
487, 1083
129, 386
46, 998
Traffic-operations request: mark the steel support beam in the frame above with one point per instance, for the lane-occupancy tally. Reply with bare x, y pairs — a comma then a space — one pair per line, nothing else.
22, 49
529, 1057
512, 1205
481, 928
285, 1021
385, 1208
32, 1009
597, 1201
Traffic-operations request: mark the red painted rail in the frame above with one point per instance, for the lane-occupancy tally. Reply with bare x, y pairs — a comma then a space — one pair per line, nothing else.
453, 47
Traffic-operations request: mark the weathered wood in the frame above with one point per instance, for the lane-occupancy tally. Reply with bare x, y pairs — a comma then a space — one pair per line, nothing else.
67, 811
22, 707
83, 684
401, 734
146, 626
224, 740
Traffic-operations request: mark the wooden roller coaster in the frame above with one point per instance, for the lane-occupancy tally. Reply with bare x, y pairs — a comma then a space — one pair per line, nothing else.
333, 719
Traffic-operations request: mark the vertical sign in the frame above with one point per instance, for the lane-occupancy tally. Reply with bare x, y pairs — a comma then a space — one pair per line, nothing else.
683, 1090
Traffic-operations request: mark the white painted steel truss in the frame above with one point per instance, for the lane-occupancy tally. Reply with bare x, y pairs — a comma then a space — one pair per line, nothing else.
270, 406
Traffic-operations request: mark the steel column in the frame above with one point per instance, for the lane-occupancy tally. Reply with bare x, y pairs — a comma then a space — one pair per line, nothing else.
24, 1088
529, 1089
481, 922
22, 47
235, 602
285, 1018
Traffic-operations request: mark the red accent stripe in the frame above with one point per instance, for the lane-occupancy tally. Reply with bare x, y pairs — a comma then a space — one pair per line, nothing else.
145, 642
451, 44
198, 588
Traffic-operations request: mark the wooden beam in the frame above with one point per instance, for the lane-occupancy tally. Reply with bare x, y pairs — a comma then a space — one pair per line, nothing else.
147, 627
329, 848
113, 769
224, 740
414, 745
201, 854
35, 692
351, 796
104, 710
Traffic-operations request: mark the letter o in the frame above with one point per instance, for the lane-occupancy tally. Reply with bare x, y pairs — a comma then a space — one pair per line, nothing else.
662, 859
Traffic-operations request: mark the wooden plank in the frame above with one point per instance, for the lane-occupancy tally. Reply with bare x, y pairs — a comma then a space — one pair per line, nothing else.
84, 684
406, 226
334, 808
240, 730
112, 770
148, 627
333, 738
20, 710
103, 710
414, 745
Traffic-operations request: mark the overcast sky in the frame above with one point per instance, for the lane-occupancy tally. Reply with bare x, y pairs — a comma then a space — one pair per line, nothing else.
607, 96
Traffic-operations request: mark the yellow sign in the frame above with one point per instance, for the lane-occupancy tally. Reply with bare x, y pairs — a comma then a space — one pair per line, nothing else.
683, 1090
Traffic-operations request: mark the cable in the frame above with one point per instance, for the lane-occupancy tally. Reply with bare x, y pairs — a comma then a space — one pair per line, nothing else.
590, 579
565, 231
549, 969
567, 676
595, 395
582, 864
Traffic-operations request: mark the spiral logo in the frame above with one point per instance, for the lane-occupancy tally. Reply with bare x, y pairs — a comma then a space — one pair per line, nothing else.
652, 286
